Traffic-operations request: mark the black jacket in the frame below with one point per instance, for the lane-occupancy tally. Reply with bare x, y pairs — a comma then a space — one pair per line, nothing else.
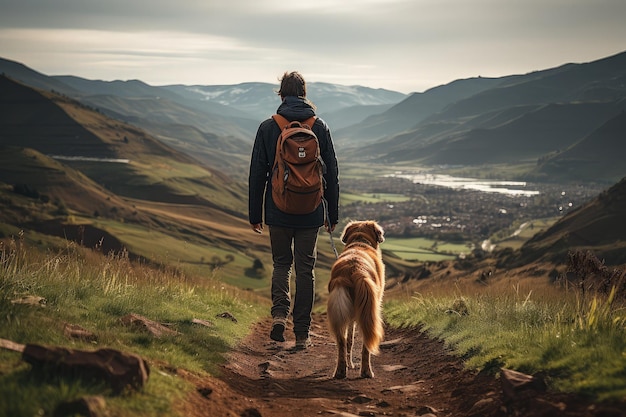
292, 108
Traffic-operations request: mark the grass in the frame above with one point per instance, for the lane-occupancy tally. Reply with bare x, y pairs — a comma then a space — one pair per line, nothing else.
518, 234
580, 343
195, 255
349, 198
94, 291
423, 249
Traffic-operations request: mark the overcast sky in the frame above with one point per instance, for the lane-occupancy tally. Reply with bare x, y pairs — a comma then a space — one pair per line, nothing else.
402, 45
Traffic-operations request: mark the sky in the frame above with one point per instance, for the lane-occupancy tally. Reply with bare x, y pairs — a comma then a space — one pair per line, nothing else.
401, 45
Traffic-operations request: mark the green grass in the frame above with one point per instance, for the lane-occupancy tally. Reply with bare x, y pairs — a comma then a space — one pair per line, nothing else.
518, 234
579, 344
196, 256
349, 198
423, 249
94, 291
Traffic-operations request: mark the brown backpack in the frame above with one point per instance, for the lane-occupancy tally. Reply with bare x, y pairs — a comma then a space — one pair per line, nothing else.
298, 171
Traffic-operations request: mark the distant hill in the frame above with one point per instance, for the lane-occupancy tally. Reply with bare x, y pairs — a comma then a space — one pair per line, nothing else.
215, 124
260, 100
70, 172
510, 137
597, 226
63, 128
509, 120
600, 153
408, 113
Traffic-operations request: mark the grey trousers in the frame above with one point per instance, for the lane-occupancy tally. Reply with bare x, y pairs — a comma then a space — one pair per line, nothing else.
297, 247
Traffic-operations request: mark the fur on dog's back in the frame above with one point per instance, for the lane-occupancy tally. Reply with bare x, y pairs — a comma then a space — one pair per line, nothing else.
357, 301
357, 283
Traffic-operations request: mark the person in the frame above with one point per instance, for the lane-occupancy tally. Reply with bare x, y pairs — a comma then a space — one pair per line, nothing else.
293, 237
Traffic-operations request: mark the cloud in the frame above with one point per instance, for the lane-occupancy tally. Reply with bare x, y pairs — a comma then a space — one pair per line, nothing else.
408, 45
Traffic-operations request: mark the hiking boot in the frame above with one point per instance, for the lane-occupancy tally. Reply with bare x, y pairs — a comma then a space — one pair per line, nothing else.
303, 342
278, 328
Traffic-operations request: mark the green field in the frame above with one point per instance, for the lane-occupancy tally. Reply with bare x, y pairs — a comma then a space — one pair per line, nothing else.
349, 198
518, 234
422, 249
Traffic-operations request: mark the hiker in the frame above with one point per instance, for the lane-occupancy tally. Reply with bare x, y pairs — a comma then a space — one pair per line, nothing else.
293, 237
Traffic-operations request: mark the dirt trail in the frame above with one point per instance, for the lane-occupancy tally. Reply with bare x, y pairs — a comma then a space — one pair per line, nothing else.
414, 376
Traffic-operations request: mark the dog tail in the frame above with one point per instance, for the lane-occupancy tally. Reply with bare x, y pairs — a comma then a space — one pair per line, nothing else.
340, 311
368, 314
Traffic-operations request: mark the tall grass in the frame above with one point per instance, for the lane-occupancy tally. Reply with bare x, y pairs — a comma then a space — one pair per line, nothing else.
577, 340
95, 290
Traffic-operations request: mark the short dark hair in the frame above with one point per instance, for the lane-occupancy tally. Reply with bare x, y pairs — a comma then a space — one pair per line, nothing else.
292, 84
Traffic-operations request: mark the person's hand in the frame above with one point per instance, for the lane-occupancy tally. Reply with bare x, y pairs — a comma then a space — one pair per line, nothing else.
330, 228
257, 227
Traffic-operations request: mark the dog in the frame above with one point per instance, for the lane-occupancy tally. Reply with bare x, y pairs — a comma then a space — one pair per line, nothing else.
356, 286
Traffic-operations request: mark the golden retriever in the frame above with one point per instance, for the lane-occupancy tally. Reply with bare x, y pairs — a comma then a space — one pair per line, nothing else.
357, 283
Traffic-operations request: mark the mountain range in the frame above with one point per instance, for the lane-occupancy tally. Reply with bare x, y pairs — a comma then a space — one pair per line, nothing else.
143, 164
535, 120
524, 119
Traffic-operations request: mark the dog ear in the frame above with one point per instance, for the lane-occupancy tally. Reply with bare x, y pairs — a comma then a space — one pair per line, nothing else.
380, 233
346, 232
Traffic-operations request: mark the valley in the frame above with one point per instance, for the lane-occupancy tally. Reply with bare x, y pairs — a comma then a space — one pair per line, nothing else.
448, 214
120, 197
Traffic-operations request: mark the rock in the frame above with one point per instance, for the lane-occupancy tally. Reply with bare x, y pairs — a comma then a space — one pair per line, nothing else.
416, 386
393, 368
74, 331
517, 386
227, 315
425, 410
33, 300
481, 407
201, 322
93, 406
10, 345
390, 343
340, 413
251, 412
156, 329
205, 391
361, 399
119, 370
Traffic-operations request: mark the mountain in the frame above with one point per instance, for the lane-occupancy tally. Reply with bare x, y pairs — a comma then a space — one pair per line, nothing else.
68, 131
600, 153
214, 124
415, 108
519, 119
260, 100
517, 134
68, 171
33, 78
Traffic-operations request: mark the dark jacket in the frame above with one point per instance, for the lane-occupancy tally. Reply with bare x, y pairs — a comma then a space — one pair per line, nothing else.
292, 108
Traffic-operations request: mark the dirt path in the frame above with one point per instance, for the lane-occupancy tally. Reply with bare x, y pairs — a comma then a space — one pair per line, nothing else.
414, 376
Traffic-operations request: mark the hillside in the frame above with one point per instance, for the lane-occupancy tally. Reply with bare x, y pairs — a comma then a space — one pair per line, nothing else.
511, 120
259, 100
409, 112
597, 226
69, 171
215, 124
600, 153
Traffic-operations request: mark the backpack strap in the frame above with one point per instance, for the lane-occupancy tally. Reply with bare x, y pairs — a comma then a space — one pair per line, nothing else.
283, 123
280, 121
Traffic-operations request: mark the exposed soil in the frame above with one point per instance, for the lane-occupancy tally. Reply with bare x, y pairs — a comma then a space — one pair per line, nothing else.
414, 376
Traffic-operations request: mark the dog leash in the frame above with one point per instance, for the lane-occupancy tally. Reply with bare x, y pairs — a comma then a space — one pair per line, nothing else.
330, 233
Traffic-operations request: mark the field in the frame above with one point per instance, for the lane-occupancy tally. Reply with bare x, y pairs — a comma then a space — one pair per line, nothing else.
423, 249
191, 261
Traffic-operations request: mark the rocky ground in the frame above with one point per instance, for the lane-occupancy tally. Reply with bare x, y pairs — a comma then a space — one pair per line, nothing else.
414, 376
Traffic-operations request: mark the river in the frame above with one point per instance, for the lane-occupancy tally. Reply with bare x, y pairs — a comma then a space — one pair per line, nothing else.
513, 188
